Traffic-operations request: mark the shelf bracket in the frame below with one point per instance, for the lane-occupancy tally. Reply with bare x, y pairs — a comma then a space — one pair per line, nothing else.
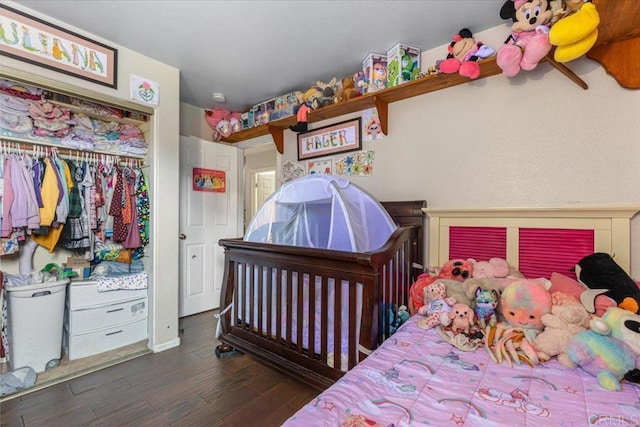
278, 138
383, 113
566, 71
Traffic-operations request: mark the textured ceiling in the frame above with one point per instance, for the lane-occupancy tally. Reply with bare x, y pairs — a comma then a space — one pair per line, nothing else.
254, 50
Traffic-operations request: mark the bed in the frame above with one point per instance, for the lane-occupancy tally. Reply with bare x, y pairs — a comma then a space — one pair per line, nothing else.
416, 377
354, 297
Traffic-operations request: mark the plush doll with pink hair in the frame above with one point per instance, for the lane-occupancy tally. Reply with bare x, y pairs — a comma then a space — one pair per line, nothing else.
522, 304
529, 41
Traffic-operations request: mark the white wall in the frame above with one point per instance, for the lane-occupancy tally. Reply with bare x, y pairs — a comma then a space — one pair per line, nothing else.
536, 140
162, 173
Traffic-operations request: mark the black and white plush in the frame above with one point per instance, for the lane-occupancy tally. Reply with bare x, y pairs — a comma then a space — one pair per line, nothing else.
599, 271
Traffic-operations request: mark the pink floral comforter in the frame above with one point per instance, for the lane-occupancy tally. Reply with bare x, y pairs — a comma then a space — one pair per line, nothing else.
416, 378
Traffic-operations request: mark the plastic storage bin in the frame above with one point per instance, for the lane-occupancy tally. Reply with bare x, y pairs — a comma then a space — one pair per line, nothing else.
35, 321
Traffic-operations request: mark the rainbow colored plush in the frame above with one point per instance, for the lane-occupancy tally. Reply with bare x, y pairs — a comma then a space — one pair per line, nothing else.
523, 303
603, 356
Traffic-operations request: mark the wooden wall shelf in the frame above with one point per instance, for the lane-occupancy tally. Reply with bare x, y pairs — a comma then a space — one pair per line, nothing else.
380, 100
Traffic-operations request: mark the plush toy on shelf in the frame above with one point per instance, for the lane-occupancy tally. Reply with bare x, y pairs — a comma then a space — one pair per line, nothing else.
464, 54
528, 42
306, 102
218, 120
576, 31
347, 91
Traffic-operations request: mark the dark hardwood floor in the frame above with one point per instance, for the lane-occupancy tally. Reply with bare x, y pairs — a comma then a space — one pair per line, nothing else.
184, 386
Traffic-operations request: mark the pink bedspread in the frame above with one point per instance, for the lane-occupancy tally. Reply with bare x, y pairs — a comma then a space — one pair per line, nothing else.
416, 378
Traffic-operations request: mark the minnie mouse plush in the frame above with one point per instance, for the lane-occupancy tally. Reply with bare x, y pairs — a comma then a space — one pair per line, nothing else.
529, 40
464, 52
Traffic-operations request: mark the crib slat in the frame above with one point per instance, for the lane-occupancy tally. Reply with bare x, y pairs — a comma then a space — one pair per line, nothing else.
243, 307
289, 319
353, 342
269, 290
324, 318
300, 307
312, 315
238, 306
252, 304
260, 290
279, 284
337, 325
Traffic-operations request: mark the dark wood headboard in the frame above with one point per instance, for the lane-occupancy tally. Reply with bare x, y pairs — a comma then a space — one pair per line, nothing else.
410, 213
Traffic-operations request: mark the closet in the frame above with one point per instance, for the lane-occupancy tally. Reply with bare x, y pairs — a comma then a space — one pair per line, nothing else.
99, 146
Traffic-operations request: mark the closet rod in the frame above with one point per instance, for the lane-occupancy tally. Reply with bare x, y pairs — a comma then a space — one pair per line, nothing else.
64, 152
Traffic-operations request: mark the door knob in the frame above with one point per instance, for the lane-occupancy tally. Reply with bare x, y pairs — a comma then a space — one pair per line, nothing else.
182, 236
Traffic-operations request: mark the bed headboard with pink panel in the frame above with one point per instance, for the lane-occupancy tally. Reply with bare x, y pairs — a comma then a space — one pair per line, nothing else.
536, 241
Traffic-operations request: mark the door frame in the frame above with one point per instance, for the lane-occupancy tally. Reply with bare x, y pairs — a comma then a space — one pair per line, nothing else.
251, 178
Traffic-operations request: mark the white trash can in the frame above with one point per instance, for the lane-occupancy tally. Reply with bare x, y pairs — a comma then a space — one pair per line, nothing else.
34, 325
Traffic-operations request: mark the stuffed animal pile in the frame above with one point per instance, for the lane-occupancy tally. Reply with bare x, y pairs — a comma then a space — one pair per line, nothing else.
522, 320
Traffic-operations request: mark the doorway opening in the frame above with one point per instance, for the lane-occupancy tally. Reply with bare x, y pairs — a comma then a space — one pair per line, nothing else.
263, 184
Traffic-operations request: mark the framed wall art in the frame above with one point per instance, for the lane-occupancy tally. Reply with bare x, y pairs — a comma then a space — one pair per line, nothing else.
30, 39
337, 138
209, 180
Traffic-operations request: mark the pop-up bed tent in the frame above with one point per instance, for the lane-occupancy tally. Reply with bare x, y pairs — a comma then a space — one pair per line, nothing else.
322, 211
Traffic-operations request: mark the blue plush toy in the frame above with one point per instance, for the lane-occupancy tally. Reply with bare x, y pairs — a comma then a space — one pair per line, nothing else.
603, 356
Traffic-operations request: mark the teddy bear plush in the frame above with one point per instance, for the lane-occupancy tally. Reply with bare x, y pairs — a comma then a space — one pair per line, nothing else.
436, 306
457, 269
462, 318
567, 318
347, 91
464, 54
528, 42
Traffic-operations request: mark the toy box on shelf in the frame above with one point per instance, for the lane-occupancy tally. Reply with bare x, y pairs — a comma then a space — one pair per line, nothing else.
374, 67
285, 105
262, 111
403, 64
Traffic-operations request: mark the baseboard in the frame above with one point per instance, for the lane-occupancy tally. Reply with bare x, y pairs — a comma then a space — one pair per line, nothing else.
165, 345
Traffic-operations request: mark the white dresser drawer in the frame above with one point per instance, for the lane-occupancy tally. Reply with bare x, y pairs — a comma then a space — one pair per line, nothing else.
90, 319
83, 345
83, 294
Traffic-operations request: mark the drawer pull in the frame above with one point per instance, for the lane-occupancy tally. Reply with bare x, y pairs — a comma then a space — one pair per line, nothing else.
117, 309
113, 333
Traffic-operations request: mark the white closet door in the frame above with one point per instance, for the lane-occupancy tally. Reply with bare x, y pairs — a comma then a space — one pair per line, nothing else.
206, 216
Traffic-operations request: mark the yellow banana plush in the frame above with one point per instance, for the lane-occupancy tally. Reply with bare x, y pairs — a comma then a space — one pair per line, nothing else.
575, 50
575, 34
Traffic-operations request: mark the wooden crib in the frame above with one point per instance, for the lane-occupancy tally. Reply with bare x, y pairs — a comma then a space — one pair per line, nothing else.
318, 332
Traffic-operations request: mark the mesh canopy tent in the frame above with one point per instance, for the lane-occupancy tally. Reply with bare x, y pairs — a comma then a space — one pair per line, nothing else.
322, 211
